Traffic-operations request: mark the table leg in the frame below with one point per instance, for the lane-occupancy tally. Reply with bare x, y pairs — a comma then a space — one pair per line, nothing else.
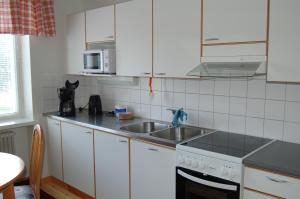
8, 192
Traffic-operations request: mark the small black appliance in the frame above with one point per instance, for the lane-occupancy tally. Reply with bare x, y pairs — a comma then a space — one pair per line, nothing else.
66, 96
95, 105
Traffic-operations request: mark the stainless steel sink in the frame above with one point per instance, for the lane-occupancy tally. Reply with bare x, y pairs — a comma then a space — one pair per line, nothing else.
180, 133
145, 127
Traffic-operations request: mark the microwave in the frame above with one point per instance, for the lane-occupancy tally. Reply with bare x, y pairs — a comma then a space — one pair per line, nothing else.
99, 61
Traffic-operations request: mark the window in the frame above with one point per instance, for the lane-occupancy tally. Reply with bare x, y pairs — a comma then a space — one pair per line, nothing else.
8, 76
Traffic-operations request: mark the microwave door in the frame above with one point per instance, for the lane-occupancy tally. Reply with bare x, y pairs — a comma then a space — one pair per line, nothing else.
92, 62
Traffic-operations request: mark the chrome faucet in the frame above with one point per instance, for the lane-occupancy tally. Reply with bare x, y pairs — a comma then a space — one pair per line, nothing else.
178, 114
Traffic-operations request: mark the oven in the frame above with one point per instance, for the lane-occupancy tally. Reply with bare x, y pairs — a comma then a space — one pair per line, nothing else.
195, 185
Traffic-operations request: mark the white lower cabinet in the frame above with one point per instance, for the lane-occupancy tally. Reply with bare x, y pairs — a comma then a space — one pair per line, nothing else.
256, 195
54, 148
111, 166
78, 157
152, 171
271, 183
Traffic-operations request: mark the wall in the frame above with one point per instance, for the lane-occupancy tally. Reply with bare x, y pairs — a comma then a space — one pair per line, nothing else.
47, 64
250, 106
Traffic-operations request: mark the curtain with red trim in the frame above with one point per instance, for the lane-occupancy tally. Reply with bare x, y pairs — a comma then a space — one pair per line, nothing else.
27, 17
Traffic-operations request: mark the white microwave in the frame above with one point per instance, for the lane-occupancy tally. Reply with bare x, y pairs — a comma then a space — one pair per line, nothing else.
99, 61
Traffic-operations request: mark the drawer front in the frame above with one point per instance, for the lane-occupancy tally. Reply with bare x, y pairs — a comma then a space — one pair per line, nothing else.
255, 195
270, 183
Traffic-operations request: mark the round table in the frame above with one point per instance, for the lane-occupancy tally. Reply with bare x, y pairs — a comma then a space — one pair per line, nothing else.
11, 168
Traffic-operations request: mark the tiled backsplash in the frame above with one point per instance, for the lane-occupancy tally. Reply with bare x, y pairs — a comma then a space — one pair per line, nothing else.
251, 106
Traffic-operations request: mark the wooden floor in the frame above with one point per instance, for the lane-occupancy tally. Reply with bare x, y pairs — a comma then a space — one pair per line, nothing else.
56, 191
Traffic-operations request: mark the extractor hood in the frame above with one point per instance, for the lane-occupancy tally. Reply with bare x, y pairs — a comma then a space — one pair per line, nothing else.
226, 67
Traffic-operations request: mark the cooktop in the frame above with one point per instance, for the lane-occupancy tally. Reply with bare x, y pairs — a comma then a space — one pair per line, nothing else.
232, 144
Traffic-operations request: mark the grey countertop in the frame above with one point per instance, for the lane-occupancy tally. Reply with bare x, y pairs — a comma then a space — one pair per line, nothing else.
108, 123
280, 157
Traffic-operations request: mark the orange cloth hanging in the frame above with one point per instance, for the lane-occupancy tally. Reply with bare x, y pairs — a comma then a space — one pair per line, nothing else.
150, 86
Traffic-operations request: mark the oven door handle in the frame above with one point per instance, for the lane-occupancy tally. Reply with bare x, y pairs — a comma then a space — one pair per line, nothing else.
207, 183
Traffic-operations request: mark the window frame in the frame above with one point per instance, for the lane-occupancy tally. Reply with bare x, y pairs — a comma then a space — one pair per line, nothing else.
17, 42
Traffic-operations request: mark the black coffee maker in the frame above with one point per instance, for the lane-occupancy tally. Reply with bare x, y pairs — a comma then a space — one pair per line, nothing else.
66, 96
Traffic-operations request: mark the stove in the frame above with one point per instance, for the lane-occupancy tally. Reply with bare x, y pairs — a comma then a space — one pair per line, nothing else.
213, 163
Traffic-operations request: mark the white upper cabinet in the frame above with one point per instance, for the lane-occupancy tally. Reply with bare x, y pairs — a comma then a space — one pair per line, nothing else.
134, 38
75, 43
284, 41
176, 35
78, 157
100, 24
234, 21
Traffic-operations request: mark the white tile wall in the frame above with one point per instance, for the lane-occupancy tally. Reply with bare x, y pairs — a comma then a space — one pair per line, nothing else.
252, 106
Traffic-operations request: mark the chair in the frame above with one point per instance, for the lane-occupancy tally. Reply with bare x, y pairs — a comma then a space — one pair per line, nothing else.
32, 191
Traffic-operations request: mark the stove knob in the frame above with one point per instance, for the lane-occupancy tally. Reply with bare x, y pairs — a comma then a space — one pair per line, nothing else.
232, 173
180, 159
195, 163
224, 171
202, 165
188, 161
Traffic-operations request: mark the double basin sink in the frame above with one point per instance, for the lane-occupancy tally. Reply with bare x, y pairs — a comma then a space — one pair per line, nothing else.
165, 131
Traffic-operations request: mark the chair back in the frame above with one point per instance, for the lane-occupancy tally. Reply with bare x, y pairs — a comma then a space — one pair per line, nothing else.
36, 160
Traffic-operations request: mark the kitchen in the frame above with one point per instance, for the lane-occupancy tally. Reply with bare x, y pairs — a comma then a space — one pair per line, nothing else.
231, 67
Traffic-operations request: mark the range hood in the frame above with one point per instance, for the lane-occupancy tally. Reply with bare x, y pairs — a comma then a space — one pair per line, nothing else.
226, 67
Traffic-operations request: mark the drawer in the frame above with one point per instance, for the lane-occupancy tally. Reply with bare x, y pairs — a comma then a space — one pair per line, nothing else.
255, 195
271, 183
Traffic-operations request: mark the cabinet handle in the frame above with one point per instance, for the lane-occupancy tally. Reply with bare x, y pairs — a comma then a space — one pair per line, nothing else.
160, 74
152, 149
146, 73
212, 39
123, 141
88, 132
275, 180
110, 37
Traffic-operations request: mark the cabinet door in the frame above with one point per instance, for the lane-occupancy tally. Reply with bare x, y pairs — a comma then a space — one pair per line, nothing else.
54, 148
134, 38
78, 160
176, 34
100, 24
152, 171
112, 166
284, 44
75, 43
234, 21
256, 195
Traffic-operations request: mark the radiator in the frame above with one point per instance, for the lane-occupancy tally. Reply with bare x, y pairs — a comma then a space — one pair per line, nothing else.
7, 142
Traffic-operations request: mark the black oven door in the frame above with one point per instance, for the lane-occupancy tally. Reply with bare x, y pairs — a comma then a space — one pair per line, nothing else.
195, 185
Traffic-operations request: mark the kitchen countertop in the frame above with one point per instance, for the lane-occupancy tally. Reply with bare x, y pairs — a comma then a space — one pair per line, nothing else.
108, 123
279, 157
